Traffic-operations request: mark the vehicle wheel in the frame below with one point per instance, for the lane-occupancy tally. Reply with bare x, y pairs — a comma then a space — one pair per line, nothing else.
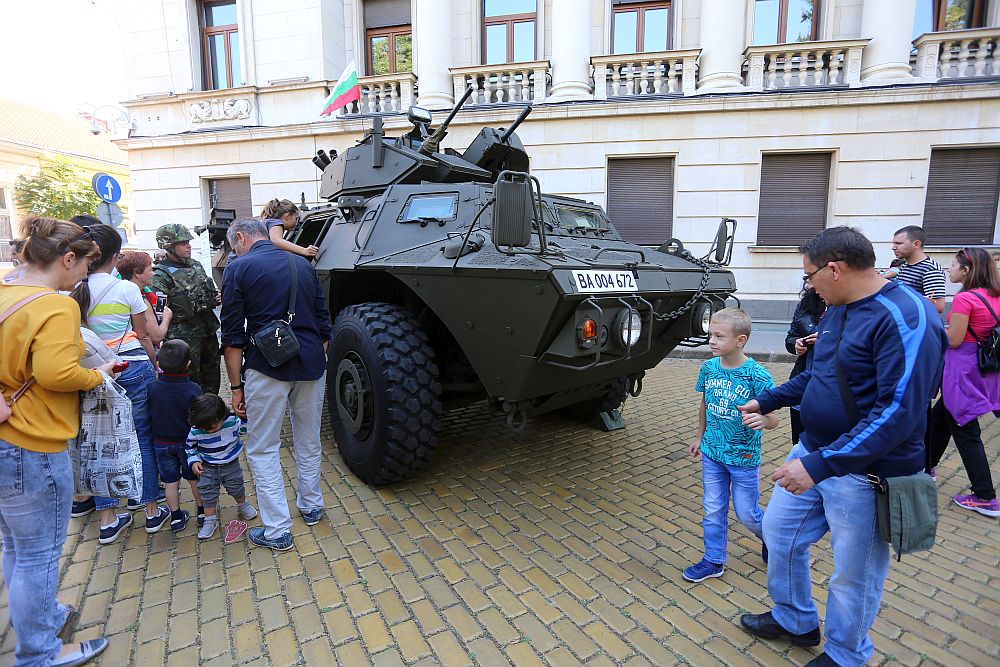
613, 397
383, 392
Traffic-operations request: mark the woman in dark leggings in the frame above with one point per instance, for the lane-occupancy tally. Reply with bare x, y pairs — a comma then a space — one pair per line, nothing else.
966, 393
800, 341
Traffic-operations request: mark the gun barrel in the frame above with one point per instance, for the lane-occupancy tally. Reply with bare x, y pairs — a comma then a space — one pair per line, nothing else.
513, 126
454, 109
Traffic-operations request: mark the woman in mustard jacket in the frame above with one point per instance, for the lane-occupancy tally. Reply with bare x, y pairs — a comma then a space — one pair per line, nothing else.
41, 340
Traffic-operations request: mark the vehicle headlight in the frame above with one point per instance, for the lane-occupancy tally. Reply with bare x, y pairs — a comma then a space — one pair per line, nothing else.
701, 319
628, 327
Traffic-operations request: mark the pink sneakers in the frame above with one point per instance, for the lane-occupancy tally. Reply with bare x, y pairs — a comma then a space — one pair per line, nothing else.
976, 504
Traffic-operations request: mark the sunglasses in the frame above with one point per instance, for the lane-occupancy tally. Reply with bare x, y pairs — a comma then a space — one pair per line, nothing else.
806, 277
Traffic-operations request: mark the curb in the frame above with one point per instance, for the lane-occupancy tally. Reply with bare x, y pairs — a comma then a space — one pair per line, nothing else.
760, 356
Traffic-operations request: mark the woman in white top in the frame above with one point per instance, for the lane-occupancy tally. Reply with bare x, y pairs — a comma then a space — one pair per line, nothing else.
116, 311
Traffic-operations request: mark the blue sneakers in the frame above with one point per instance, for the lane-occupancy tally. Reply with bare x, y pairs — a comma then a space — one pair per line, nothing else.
114, 531
283, 543
703, 570
312, 517
159, 521
179, 521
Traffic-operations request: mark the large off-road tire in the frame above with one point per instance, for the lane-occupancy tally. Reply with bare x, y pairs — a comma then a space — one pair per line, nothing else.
383, 392
612, 399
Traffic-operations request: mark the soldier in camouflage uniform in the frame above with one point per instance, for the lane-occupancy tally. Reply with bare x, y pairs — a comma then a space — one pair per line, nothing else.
192, 296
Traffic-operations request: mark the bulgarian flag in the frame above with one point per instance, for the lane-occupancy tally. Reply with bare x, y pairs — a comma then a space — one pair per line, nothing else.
346, 91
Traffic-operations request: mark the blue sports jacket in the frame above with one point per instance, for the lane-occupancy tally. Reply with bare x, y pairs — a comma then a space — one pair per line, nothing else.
891, 353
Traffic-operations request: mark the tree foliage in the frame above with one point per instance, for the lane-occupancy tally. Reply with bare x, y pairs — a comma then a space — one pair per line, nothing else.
57, 190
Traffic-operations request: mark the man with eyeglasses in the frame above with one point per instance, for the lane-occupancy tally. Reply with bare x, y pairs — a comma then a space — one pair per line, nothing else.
881, 348
920, 272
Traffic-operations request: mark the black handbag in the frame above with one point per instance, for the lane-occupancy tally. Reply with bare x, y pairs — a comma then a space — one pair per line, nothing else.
988, 352
906, 506
276, 340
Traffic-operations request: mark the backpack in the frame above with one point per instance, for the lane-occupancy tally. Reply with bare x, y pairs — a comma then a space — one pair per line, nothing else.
988, 354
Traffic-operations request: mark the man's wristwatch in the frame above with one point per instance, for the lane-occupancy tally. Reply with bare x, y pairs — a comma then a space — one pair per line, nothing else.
236, 387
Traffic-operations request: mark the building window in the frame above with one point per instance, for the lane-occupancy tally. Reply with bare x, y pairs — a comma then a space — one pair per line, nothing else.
794, 190
641, 198
231, 193
389, 36
220, 45
640, 26
963, 191
508, 31
6, 239
785, 21
943, 15
390, 50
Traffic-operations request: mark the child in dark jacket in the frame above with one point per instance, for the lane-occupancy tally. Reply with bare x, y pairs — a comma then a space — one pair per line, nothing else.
169, 400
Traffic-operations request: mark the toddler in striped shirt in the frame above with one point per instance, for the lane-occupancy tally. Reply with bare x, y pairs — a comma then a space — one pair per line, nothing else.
213, 451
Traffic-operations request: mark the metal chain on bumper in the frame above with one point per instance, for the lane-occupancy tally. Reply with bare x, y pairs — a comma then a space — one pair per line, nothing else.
705, 276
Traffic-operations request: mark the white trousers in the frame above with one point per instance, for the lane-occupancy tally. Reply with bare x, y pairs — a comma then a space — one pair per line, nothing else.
267, 400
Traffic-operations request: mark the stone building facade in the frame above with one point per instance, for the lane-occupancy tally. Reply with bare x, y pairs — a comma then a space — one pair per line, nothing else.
787, 115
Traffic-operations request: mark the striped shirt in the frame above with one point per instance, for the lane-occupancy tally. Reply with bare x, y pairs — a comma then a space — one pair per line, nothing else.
926, 277
215, 447
111, 319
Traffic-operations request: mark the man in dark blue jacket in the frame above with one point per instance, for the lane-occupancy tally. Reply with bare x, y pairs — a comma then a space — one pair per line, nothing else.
255, 292
889, 344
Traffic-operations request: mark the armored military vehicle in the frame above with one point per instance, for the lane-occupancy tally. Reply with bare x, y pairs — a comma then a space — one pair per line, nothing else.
453, 279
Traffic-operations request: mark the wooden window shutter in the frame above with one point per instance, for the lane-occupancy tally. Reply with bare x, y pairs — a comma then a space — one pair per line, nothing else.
384, 13
963, 188
233, 193
641, 198
794, 188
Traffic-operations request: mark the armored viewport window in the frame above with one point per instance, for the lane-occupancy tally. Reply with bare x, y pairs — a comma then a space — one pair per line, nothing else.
430, 208
575, 218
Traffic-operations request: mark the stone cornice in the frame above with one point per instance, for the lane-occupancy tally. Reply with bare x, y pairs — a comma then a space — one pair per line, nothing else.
494, 115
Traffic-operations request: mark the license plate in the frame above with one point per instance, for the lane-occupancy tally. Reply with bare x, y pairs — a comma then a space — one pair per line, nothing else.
605, 281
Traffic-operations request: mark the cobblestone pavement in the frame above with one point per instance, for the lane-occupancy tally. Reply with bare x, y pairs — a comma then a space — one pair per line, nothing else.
560, 545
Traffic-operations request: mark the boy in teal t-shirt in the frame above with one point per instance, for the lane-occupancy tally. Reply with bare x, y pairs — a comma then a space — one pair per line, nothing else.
728, 440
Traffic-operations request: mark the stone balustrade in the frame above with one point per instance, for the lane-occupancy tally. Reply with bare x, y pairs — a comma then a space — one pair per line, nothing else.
645, 74
503, 84
386, 93
957, 54
804, 65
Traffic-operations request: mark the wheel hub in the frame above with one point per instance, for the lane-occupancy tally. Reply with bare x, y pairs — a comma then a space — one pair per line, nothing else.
353, 395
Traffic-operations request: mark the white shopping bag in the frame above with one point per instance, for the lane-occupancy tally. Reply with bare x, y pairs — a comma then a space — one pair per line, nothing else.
105, 455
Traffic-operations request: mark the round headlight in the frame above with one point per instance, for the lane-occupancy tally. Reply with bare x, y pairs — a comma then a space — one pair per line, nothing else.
628, 327
706, 318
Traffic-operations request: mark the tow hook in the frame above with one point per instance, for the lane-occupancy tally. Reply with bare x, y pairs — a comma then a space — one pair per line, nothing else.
517, 416
634, 387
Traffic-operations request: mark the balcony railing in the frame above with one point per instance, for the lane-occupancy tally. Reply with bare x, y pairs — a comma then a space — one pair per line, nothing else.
501, 84
386, 93
957, 54
804, 65
645, 74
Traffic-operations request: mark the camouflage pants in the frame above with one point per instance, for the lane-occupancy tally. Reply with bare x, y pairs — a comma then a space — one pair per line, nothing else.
204, 346
205, 363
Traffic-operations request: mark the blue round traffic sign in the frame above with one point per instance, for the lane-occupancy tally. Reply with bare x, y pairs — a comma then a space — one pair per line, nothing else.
107, 188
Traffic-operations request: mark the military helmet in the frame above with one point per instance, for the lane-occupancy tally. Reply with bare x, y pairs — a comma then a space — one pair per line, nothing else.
168, 235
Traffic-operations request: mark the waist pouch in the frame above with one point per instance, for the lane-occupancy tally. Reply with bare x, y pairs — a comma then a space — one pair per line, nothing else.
276, 340
907, 511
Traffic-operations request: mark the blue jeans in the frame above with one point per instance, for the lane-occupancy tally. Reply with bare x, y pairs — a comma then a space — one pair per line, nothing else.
719, 481
135, 381
36, 494
844, 506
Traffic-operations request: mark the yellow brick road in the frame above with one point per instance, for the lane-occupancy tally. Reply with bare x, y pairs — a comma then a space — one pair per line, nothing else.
561, 545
